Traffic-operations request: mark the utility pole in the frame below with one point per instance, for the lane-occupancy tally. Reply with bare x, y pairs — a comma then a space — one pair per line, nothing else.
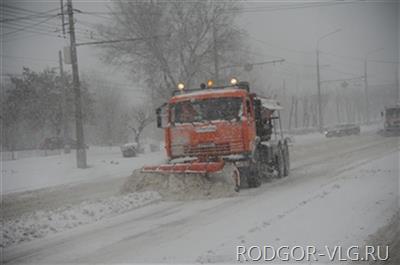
80, 148
366, 89
65, 104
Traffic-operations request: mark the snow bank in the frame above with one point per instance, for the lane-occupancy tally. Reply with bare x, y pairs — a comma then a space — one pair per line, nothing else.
42, 223
40, 172
184, 186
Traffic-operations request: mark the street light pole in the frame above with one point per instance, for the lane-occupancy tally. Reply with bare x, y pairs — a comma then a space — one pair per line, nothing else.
366, 88
320, 118
215, 49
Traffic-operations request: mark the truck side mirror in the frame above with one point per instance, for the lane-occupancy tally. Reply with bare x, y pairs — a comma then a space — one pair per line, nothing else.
381, 113
162, 116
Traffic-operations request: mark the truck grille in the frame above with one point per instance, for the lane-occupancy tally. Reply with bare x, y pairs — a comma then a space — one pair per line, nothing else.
215, 149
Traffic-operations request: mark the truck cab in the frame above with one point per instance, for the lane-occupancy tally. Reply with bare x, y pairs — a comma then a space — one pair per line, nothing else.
228, 123
209, 123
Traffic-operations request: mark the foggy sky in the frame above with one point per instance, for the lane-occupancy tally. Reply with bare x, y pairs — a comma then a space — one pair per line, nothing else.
289, 33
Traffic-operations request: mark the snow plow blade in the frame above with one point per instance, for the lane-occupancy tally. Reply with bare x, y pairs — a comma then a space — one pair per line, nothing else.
187, 168
186, 181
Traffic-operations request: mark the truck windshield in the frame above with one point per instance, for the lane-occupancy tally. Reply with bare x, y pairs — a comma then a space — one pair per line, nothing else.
211, 109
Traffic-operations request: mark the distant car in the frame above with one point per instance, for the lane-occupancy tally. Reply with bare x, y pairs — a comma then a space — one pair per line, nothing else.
53, 143
129, 149
342, 130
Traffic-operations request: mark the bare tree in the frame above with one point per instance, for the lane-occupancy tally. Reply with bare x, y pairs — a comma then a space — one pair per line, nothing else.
139, 117
178, 41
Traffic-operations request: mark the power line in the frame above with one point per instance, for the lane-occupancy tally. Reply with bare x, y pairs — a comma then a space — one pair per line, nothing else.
27, 27
30, 17
34, 34
19, 20
20, 9
44, 30
24, 18
43, 27
11, 21
273, 9
119, 40
15, 37
99, 15
39, 32
261, 8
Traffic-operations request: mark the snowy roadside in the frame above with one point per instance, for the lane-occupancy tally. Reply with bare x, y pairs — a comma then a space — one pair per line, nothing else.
33, 173
42, 223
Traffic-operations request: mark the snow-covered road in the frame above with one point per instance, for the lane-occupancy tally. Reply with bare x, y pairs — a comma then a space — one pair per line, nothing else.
340, 191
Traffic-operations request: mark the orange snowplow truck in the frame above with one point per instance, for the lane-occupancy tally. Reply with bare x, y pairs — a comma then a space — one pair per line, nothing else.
209, 127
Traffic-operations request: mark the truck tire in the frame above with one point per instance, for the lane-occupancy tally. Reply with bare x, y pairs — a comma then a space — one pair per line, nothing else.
254, 181
286, 158
280, 163
252, 178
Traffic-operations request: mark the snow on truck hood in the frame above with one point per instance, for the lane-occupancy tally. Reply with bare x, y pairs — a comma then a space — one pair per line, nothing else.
217, 92
268, 103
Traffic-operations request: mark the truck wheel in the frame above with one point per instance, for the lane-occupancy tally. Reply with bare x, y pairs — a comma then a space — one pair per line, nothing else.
286, 158
252, 177
280, 163
254, 181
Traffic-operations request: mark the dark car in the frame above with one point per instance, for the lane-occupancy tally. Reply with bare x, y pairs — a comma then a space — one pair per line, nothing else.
342, 130
129, 149
53, 143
